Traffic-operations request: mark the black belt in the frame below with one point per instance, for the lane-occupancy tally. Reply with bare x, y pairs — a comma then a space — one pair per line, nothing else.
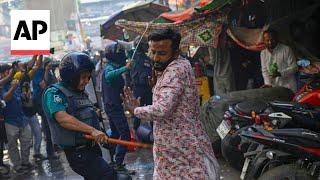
80, 147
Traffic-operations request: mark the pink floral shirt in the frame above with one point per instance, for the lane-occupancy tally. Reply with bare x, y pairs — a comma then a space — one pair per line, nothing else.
180, 142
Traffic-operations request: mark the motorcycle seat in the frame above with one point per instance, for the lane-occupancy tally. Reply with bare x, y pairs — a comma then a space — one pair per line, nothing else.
248, 106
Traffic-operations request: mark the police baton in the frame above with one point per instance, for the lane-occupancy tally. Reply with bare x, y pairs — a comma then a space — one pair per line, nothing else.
108, 140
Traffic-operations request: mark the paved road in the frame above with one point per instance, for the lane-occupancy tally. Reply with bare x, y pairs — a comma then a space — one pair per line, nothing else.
140, 161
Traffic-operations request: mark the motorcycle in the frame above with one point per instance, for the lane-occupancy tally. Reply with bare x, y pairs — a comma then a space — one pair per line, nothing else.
309, 93
281, 154
305, 106
236, 121
243, 114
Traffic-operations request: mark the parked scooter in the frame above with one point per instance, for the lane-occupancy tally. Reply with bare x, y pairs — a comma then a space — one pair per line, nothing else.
282, 154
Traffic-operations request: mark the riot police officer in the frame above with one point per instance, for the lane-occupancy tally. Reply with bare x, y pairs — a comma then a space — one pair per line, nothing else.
112, 87
71, 116
139, 75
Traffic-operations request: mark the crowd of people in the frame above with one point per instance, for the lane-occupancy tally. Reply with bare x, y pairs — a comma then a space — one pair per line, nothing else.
21, 87
147, 77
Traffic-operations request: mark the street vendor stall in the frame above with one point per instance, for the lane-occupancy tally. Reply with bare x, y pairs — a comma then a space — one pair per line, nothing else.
209, 27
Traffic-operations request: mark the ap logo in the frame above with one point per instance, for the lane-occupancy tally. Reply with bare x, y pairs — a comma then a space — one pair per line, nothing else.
30, 32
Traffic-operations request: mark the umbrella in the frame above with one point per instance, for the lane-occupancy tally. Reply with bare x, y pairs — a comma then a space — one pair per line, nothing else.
140, 11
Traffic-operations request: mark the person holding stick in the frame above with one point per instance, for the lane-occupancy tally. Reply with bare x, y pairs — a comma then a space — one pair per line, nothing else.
71, 116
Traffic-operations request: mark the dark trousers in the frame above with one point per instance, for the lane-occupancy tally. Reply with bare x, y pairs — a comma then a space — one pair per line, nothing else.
88, 162
1, 153
119, 129
46, 130
3, 140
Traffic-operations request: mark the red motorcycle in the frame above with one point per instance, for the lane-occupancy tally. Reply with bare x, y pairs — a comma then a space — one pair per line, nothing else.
309, 93
304, 112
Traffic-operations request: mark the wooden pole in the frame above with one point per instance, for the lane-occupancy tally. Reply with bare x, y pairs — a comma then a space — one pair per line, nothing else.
122, 142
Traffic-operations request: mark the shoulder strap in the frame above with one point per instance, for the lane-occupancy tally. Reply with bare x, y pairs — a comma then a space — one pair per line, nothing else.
64, 90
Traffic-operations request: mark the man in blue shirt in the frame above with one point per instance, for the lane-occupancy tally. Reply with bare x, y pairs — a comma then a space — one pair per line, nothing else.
17, 125
112, 87
30, 69
4, 69
43, 78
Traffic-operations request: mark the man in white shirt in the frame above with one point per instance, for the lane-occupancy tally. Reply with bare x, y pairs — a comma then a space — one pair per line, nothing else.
278, 63
72, 43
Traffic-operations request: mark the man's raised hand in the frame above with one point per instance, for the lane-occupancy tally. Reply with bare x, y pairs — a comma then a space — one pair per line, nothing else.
129, 100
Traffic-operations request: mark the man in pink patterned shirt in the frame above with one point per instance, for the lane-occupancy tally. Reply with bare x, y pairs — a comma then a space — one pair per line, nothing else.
181, 149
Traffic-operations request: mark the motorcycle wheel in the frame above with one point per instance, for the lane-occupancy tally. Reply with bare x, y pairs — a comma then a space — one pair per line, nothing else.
286, 172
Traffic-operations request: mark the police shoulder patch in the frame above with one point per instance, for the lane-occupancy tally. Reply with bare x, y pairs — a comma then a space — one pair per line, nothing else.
57, 99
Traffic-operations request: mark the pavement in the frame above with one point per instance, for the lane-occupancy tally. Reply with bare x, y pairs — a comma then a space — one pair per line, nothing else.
140, 161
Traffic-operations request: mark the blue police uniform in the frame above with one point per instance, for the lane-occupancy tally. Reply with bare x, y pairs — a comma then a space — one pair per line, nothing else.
139, 74
84, 157
112, 87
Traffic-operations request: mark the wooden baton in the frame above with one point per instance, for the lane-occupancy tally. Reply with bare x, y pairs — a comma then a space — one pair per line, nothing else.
122, 142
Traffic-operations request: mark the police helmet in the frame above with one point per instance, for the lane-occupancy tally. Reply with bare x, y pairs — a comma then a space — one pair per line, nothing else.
72, 64
115, 54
